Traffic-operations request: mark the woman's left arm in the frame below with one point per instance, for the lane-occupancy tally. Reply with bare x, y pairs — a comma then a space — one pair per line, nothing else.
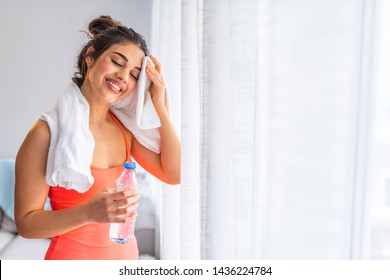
166, 165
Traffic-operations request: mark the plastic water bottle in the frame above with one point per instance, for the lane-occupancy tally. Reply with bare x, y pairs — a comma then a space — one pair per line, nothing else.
123, 232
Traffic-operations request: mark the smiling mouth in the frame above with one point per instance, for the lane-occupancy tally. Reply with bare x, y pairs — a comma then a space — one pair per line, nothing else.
114, 86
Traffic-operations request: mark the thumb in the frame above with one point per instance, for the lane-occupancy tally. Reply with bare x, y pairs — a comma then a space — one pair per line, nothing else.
110, 189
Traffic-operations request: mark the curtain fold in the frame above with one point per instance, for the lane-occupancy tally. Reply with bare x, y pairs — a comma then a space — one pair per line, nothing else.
231, 94
190, 222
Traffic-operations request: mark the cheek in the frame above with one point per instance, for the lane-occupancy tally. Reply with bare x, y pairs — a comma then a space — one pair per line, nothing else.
131, 86
102, 71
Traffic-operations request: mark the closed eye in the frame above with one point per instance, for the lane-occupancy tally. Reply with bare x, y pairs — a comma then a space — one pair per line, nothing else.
116, 63
135, 73
135, 77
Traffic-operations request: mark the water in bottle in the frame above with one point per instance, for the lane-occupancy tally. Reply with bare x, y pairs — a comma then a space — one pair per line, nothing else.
123, 232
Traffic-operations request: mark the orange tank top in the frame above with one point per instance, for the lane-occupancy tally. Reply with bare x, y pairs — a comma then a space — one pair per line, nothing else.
91, 241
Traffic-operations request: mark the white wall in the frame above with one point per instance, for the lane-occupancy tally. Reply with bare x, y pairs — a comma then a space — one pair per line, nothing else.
40, 42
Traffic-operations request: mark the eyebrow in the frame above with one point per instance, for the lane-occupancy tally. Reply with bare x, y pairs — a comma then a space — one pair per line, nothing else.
122, 56
125, 59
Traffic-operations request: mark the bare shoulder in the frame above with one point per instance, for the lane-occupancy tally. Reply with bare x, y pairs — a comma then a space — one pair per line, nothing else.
39, 134
36, 144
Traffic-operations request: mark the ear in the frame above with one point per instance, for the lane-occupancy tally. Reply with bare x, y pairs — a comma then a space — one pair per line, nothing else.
89, 52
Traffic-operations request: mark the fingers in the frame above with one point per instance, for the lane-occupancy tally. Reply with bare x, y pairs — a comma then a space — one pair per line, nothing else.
124, 219
118, 195
156, 63
126, 201
154, 73
125, 204
127, 211
110, 206
126, 214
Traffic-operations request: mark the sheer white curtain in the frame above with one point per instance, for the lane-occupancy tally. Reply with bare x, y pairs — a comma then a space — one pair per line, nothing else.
378, 218
271, 105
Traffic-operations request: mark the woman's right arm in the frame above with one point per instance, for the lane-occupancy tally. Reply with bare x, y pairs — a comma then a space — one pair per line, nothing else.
31, 191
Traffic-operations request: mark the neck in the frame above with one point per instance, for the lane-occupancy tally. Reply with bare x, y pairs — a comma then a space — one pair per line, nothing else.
98, 108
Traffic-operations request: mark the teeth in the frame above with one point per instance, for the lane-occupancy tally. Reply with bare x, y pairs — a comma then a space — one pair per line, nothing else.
113, 85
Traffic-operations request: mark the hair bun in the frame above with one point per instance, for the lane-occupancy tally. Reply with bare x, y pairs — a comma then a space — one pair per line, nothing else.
100, 24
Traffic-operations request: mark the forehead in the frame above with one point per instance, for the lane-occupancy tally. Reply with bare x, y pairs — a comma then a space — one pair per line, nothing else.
131, 51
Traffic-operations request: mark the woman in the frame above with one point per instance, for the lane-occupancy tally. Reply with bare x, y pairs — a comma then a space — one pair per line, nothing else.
109, 66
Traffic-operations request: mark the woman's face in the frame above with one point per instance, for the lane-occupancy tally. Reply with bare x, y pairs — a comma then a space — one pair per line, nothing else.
114, 75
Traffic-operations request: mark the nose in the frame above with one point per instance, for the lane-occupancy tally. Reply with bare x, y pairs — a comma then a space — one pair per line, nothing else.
123, 76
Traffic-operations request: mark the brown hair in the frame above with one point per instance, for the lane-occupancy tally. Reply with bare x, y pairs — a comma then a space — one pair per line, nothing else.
103, 33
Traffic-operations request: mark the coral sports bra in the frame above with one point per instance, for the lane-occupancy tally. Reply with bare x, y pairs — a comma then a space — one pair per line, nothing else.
91, 241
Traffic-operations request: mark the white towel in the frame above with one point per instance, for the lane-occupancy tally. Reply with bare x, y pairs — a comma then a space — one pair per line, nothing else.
71, 141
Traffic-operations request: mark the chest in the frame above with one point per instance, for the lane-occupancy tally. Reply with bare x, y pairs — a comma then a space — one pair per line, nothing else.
110, 147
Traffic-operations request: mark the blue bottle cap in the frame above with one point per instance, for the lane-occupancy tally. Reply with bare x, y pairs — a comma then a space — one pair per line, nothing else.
130, 165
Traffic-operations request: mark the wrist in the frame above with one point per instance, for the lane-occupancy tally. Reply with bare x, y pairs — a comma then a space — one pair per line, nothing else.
84, 214
160, 108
